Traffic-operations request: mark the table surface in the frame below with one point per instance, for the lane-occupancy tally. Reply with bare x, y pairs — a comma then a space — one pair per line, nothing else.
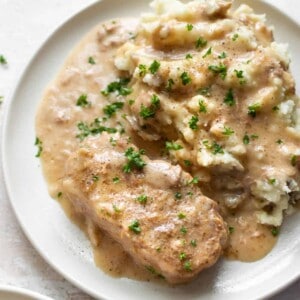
24, 25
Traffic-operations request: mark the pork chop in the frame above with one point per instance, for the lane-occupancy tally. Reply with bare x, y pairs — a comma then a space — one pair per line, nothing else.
153, 209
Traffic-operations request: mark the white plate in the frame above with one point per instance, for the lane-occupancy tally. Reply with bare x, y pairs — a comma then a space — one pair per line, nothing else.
62, 244
8, 292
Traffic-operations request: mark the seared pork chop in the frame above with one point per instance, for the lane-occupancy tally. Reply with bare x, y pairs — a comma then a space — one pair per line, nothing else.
153, 209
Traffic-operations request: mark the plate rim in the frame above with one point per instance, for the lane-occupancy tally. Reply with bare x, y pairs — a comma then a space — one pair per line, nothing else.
7, 110
23, 292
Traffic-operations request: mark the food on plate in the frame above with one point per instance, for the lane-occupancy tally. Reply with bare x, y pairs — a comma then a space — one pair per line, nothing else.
174, 138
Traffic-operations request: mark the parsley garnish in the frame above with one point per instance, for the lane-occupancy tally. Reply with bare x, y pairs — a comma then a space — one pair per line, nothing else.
202, 106
185, 78
116, 180
178, 195
189, 27
154, 272
142, 199
149, 112
189, 56
116, 209
59, 194
131, 102
294, 160
227, 131
3, 60
193, 123
181, 216
82, 101
205, 91
275, 108
154, 67
170, 84
187, 163
187, 266
275, 231
134, 160
220, 69
222, 55
235, 37
200, 43
195, 180
246, 139
229, 98
143, 70
39, 144
91, 60
253, 109
208, 52
135, 227
279, 142
173, 146
193, 243
111, 109
217, 149
120, 87
183, 230
93, 129
231, 229
272, 181
95, 178
182, 256
239, 75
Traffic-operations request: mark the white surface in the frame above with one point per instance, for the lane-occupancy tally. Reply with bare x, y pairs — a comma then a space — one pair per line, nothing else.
13, 293
24, 24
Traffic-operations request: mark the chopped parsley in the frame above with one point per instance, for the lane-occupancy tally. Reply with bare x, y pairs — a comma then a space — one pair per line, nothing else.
111, 109
178, 195
187, 162
154, 67
205, 91
222, 55
131, 102
189, 27
253, 109
185, 78
120, 87
134, 160
181, 216
193, 243
183, 230
246, 139
202, 106
3, 60
294, 160
235, 37
272, 181
149, 112
95, 178
275, 108
170, 84
93, 129
193, 123
135, 227
239, 75
195, 180
91, 60
187, 266
182, 256
154, 272
207, 53
142, 199
275, 231
200, 43
39, 144
116, 180
220, 69
231, 229
279, 142
59, 194
229, 98
189, 56
116, 209
227, 131
142, 70
173, 146
217, 149
82, 101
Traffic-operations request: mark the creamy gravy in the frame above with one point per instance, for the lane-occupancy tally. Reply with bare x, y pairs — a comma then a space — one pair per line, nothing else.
56, 127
